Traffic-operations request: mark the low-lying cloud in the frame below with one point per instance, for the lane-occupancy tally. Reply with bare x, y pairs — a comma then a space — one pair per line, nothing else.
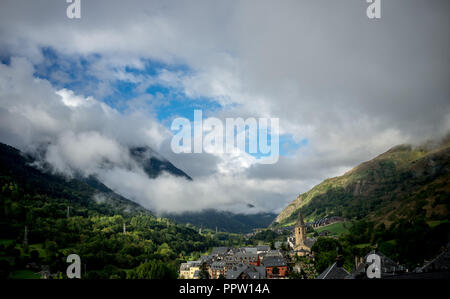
80, 137
351, 86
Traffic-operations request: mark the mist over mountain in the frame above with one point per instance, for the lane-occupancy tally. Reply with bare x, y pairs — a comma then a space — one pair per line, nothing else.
78, 135
84, 195
92, 194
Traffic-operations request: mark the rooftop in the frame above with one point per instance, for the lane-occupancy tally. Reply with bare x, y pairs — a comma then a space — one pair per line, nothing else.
334, 272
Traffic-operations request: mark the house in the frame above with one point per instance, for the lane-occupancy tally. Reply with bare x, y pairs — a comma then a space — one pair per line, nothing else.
335, 271
441, 263
207, 259
219, 251
262, 249
274, 253
217, 269
276, 267
247, 258
242, 271
278, 244
252, 250
188, 269
437, 268
326, 221
324, 233
388, 266
238, 263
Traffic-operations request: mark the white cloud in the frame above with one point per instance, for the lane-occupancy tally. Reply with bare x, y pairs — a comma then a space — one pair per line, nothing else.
350, 86
175, 194
86, 153
87, 137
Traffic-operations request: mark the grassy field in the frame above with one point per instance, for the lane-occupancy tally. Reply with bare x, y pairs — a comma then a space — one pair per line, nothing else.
336, 229
25, 274
436, 223
363, 245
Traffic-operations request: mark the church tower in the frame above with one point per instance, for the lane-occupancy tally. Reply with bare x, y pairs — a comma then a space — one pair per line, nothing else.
300, 231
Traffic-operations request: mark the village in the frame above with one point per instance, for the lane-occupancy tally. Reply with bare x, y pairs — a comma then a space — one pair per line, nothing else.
260, 262
294, 259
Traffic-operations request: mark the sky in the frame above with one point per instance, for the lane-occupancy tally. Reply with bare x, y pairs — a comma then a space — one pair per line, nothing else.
344, 87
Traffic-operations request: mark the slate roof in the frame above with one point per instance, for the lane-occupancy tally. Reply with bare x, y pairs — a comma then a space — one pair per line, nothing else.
334, 272
234, 272
256, 272
310, 242
273, 261
206, 258
184, 266
193, 263
300, 219
441, 263
273, 253
219, 265
263, 248
219, 251
249, 270
249, 250
388, 267
246, 256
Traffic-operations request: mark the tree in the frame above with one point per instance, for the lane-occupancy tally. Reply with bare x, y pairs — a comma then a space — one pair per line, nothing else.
325, 252
203, 273
154, 269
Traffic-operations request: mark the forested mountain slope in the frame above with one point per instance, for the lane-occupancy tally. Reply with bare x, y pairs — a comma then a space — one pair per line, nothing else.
404, 182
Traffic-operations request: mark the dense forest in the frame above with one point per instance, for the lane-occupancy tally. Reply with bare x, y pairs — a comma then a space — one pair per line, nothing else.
405, 182
46, 217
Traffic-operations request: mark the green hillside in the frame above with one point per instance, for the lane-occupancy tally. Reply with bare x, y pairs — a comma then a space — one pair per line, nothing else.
151, 247
335, 229
405, 182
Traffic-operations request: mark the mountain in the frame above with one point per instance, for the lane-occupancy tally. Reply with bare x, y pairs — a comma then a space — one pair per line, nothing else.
404, 182
90, 194
45, 217
87, 194
224, 221
154, 164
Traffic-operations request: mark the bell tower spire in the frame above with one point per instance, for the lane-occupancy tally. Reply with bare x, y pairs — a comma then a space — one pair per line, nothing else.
300, 221
300, 232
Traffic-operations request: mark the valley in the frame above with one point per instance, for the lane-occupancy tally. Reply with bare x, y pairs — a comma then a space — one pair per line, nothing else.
397, 203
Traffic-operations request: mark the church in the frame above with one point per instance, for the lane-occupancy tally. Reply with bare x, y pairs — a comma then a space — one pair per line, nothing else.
300, 243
